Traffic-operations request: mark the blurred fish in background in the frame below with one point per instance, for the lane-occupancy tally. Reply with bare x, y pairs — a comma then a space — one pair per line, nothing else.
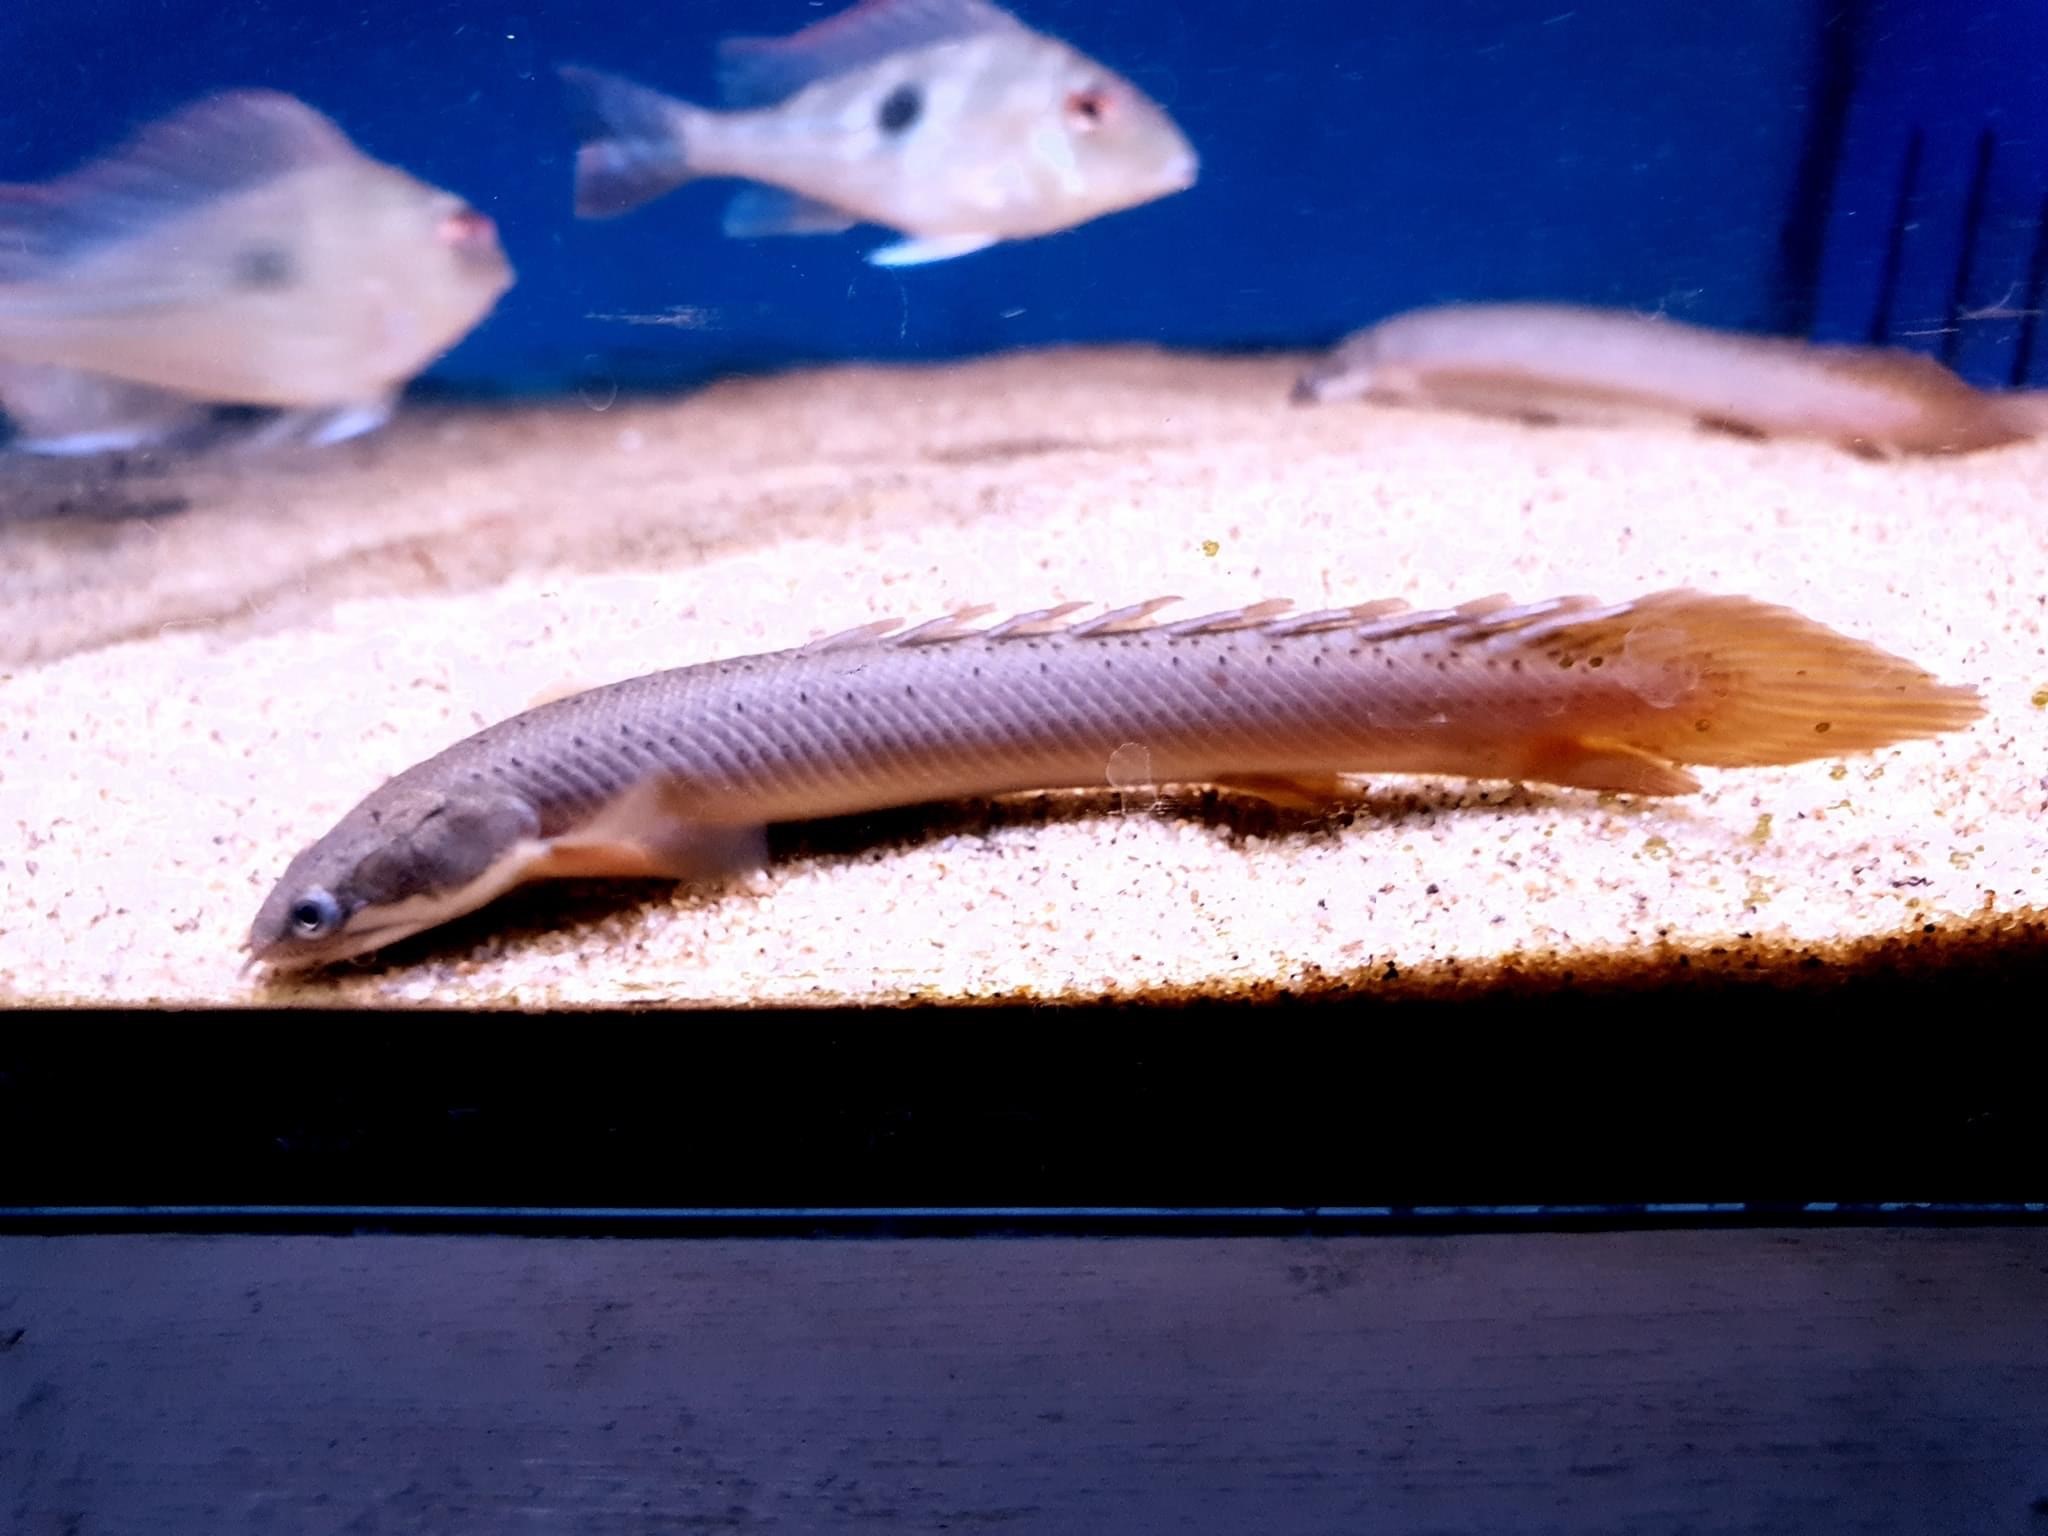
948, 120
1574, 363
240, 251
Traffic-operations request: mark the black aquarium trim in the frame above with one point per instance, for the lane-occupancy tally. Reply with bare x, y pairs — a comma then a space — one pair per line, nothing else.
1722, 1101
862, 1223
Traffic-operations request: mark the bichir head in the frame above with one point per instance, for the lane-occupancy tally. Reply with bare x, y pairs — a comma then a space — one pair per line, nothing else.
403, 861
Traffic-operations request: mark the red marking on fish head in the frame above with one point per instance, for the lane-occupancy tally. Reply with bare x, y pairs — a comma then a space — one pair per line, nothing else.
466, 230
1090, 107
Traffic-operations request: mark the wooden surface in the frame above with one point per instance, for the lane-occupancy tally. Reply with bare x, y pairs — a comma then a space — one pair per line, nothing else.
1644, 1382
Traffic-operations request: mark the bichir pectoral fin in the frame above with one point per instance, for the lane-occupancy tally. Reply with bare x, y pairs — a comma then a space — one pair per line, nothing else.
1594, 763
652, 833
1309, 792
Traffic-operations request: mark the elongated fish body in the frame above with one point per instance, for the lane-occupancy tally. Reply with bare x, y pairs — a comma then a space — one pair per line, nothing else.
243, 251
1560, 362
677, 773
946, 119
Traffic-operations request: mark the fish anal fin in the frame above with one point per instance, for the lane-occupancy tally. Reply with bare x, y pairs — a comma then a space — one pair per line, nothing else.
652, 832
756, 72
1307, 792
1585, 762
924, 250
757, 212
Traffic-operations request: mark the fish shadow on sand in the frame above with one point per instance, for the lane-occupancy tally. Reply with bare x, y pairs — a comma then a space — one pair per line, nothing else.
89, 493
565, 906
204, 463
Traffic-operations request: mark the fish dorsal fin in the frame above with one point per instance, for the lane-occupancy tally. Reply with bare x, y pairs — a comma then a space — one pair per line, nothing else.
221, 145
1493, 619
761, 71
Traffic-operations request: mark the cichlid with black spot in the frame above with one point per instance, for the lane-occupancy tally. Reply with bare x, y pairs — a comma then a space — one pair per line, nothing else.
948, 120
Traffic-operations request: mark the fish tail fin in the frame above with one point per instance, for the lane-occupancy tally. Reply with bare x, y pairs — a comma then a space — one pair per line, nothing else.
1729, 682
635, 142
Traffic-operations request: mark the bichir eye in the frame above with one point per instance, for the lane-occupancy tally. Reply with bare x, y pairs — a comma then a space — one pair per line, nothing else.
314, 915
1087, 109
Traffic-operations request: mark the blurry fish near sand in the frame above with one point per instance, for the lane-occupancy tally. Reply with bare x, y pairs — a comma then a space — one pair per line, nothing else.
1554, 362
948, 120
240, 251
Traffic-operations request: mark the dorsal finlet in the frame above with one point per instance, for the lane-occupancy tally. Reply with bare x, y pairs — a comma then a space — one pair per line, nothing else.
1483, 620
1120, 621
1251, 616
1326, 619
950, 626
1039, 621
860, 634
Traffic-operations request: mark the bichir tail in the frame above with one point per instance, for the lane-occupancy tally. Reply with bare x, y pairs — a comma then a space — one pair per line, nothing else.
1728, 682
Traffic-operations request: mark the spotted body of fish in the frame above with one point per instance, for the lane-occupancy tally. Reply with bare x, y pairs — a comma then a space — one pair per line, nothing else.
948, 120
239, 251
677, 774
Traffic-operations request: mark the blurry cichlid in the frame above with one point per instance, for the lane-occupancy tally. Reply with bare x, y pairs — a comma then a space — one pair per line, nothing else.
948, 120
239, 251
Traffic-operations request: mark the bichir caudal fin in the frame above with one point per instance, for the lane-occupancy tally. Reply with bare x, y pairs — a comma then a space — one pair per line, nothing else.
1729, 682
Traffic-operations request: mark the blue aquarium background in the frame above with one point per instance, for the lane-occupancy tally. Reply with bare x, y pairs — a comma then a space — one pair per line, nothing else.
1850, 169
